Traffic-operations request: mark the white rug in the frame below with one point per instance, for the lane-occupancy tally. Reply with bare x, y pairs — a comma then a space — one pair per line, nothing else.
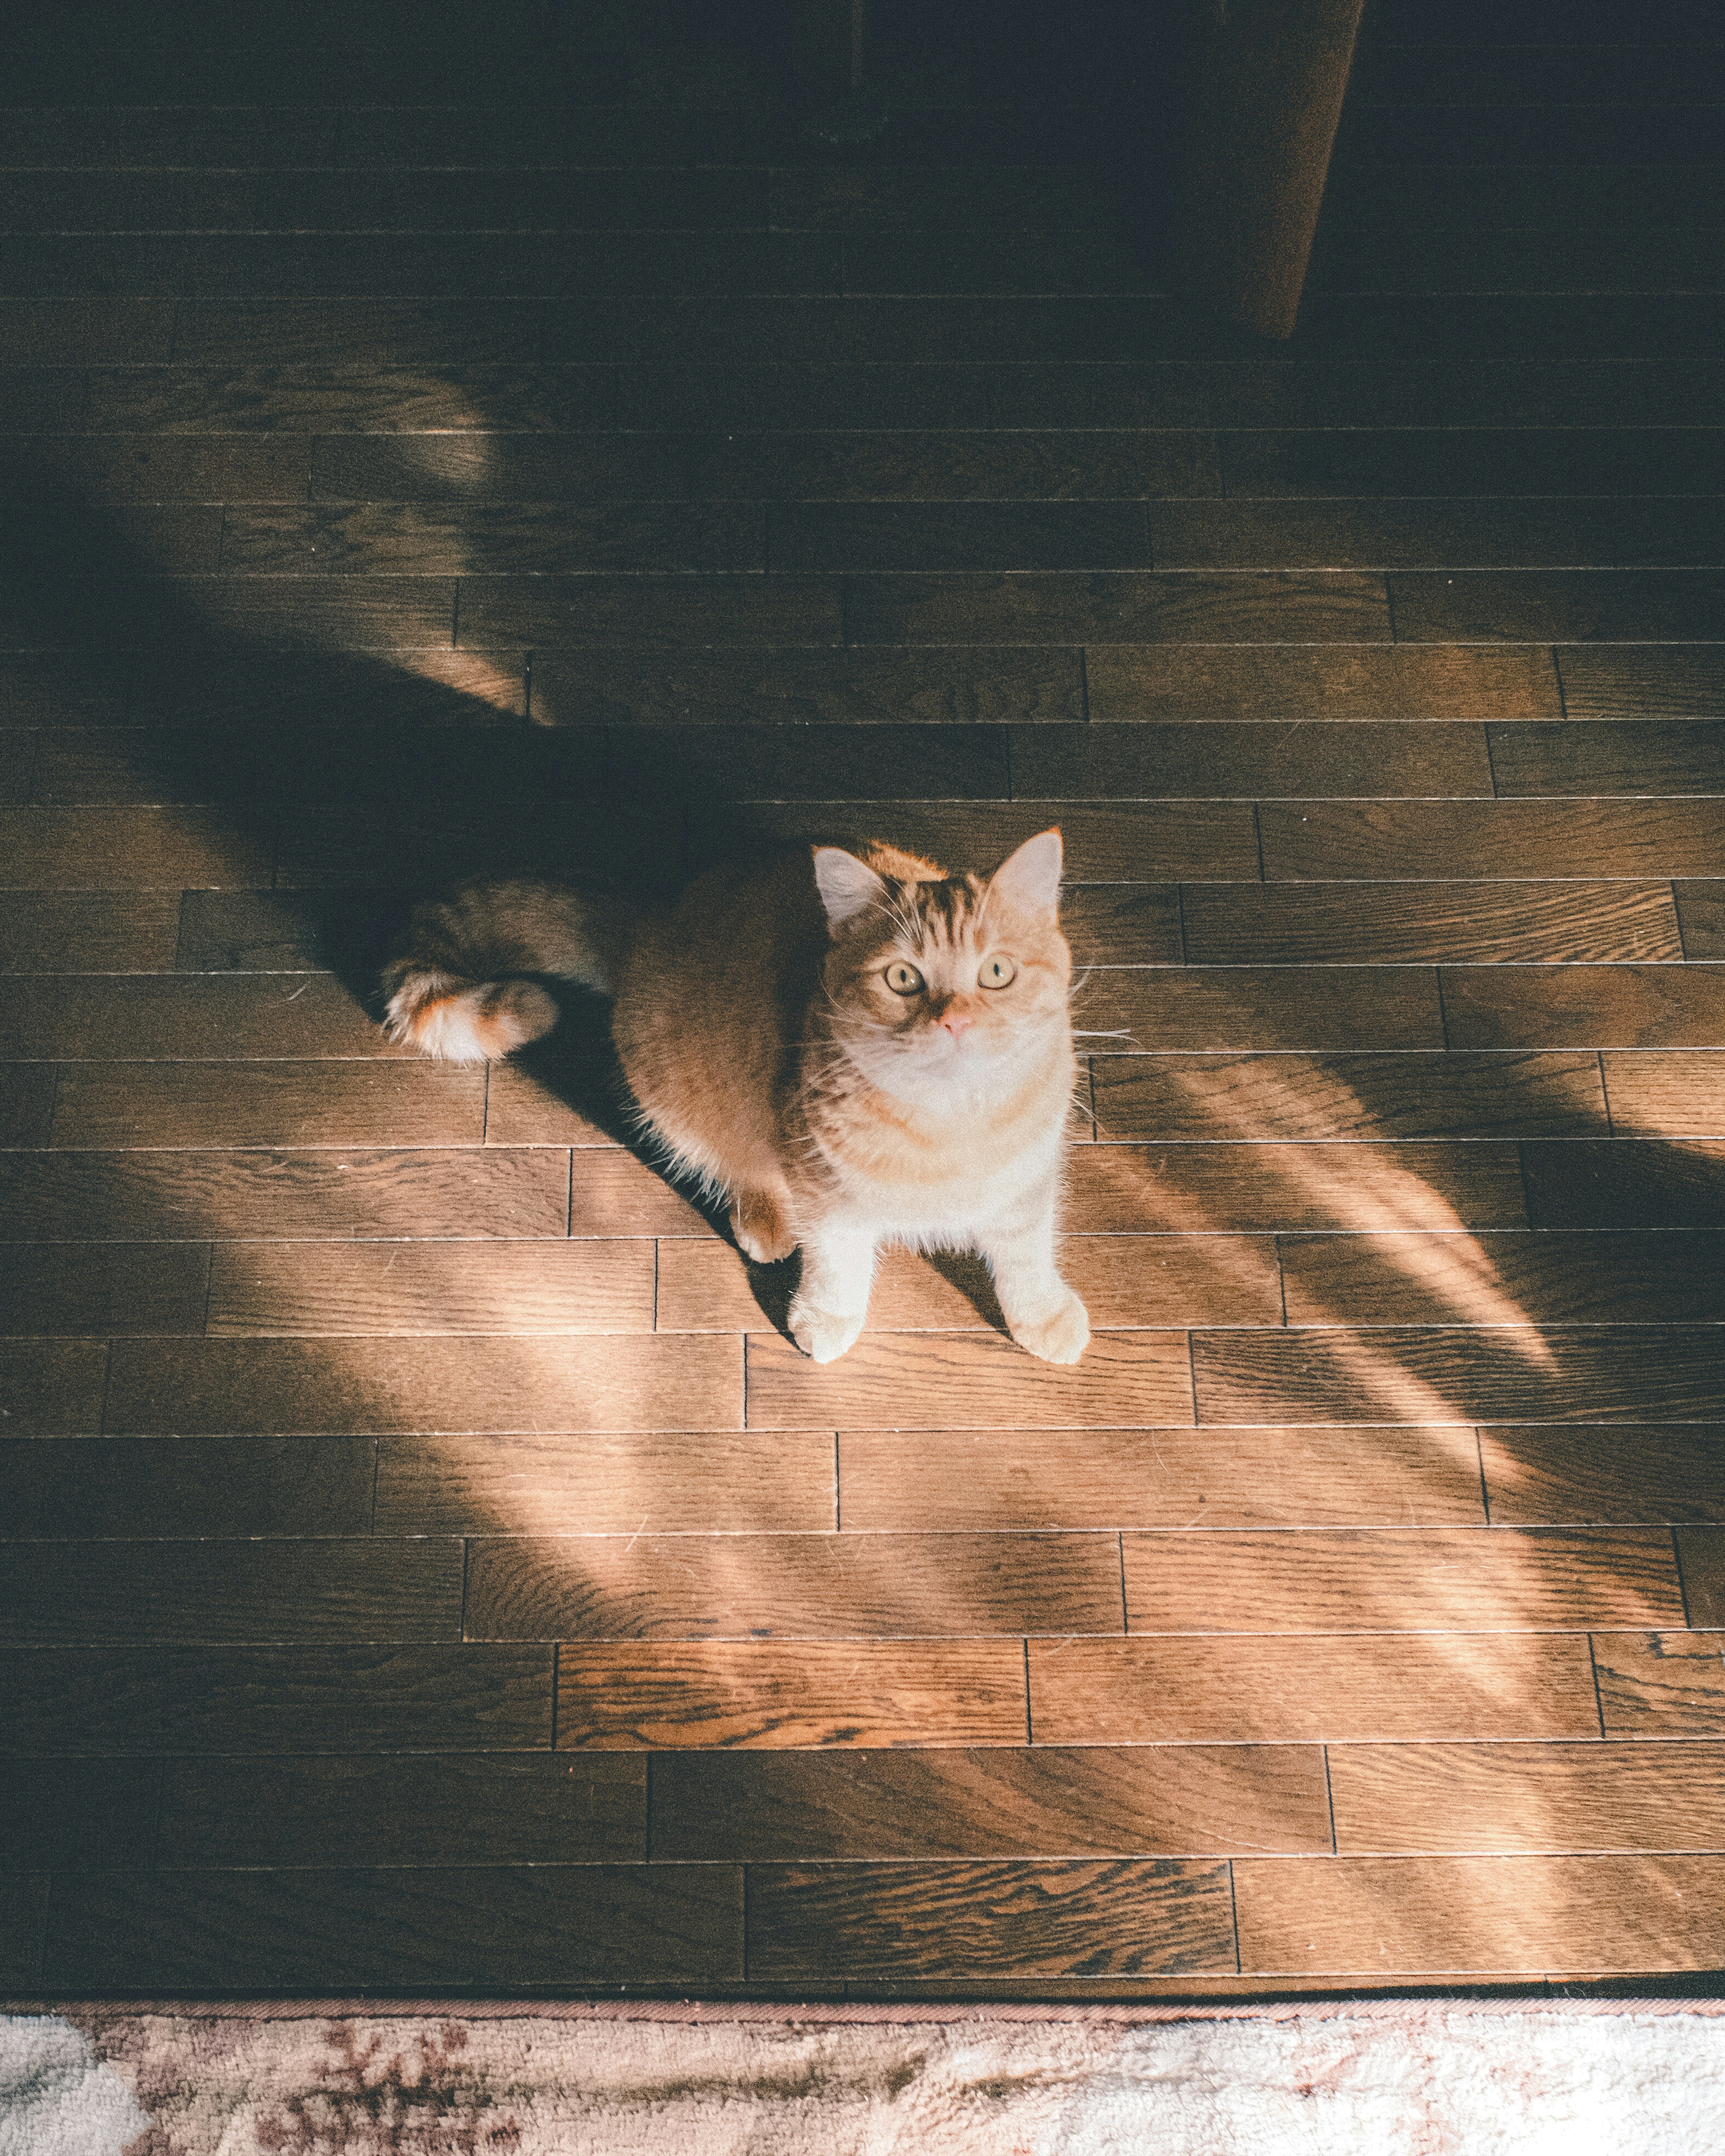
1415, 2079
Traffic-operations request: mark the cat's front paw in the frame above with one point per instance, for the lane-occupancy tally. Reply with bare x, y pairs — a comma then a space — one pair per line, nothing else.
822, 1336
1061, 1339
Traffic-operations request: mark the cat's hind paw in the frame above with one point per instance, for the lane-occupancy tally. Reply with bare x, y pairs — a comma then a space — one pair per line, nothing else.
822, 1338
1061, 1338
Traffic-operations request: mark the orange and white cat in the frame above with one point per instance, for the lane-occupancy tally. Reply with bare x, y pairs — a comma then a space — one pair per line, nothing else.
875, 1053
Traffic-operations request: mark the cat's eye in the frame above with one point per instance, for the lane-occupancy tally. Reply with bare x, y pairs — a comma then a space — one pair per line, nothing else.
997, 973
903, 980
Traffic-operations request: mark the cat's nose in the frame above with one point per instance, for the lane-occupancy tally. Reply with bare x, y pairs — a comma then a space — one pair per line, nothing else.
954, 1022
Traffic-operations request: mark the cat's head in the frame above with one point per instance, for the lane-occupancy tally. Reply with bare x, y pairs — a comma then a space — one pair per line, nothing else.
932, 977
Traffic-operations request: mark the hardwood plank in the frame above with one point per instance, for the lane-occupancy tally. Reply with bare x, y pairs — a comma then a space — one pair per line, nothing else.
493, 1809
52, 1387
678, 1483
114, 332
1134, 841
483, 1927
24, 1923
1638, 683
791, 1587
1338, 683
85, 931
26, 1092
1152, 758
1661, 1684
194, 1105
102, 1288
491, 538
1415, 840
1584, 1006
341, 395
62, 1594
154, 467
978, 686
1563, 606
514, 1288
1667, 1094
1112, 471
348, 614
502, 611
1498, 1280
1189, 607
343, 847
1122, 924
474, 465
707, 1694
1514, 1798
1701, 1554
1623, 1183
293, 1386
93, 1813
1124, 1280
1267, 1096
256, 932
808, 1808
126, 849
1128, 1918
526, 1101
1604, 1474
1614, 1373
712, 763
1414, 923
761, 393
173, 1016
1494, 462
1701, 912
1412, 529
945, 1481
102, 1488
1306, 1688
18, 762
1458, 1915
1207, 1189
178, 1196
1266, 1006
1634, 756
1438, 1578
616, 1194
1022, 536
125, 1700
955, 1381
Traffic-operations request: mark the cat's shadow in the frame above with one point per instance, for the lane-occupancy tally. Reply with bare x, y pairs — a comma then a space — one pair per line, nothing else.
576, 1063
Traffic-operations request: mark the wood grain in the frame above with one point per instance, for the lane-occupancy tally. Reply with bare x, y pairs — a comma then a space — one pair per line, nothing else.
86, 932
1336, 683
495, 1808
339, 1103
1661, 1684
485, 1927
52, 1387
1514, 1798
1001, 1919
945, 1481
614, 1382
119, 1487
1125, 1281
1083, 1802
946, 1379
1583, 1006
1673, 1095
1460, 1915
588, 1285
1631, 840
1309, 1687
1652, 1472
1261, 1007
1127, 607
125, 1701
793, 1694
1463, 924
74, 1288
1509, 1279
1342, 1095
1618, 1373
791, 1587
1244, 1187
687, 1481
1440, 1578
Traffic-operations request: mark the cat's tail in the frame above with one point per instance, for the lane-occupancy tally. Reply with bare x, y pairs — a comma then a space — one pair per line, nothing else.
457, 990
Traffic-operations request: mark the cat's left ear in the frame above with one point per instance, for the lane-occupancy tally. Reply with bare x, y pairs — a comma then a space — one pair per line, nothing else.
846, 885
1030, 879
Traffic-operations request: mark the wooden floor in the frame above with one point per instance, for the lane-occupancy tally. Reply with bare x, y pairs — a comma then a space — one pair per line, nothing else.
429, 1566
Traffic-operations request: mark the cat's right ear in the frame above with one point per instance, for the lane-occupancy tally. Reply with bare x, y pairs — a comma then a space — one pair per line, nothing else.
846, 885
